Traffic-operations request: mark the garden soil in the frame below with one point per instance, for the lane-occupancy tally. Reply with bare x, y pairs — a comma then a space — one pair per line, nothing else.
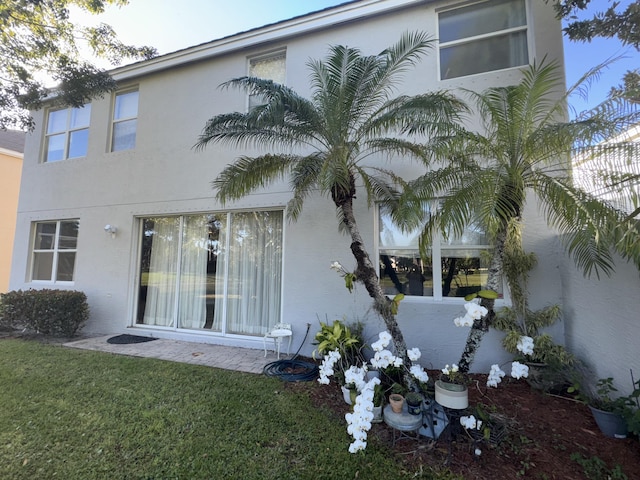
548, 437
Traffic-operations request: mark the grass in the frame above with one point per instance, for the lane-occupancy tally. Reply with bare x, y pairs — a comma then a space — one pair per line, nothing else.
74, 414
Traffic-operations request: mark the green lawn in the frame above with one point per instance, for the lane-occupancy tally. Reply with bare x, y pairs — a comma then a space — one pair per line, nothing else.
73, 414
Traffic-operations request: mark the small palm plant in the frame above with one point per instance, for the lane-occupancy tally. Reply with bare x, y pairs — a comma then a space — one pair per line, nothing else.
520, 321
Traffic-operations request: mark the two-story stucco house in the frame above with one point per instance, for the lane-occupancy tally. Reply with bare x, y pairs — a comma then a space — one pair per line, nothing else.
117, 203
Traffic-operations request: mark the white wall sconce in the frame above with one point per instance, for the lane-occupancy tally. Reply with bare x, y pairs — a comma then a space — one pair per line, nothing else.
111, 229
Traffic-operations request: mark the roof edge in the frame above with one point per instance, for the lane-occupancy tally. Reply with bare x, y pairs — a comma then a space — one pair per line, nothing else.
339, 14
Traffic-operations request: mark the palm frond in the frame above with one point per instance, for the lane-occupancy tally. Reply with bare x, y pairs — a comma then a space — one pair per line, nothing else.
247, 174
381, 186
303, 179
437, 113
583, 222
285, 119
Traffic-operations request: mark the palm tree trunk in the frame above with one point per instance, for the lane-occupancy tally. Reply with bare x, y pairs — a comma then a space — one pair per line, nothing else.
481, 326
366, 274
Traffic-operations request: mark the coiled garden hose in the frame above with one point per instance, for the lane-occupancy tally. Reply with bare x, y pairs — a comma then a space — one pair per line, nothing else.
292, 370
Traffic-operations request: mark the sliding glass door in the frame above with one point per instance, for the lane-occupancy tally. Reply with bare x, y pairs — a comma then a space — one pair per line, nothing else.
218, 272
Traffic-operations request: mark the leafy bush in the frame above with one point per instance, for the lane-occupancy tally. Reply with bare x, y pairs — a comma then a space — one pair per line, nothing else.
346, 340
51, 312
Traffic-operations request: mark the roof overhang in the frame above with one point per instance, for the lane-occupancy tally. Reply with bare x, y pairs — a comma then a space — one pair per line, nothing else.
340, 14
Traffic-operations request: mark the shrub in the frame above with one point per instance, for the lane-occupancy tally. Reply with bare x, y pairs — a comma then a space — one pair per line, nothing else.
51, 312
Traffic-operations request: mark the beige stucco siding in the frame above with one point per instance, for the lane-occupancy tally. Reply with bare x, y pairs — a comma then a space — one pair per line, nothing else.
165, 175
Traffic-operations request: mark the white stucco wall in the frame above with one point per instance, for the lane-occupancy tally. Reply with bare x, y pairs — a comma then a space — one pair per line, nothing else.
165, 175
603, 323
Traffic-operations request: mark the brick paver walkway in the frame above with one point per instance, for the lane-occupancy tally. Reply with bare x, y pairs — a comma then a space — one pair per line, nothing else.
230, 358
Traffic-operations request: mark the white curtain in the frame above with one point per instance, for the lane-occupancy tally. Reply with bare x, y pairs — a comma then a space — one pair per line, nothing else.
192, 306
160, 304
220, 251
254, 272
248, 272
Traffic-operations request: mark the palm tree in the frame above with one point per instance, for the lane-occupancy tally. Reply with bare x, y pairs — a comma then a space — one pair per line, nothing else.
523, 147
611, 171
325, 141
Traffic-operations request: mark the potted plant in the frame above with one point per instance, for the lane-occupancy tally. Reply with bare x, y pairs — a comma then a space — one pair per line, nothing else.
414, 403
452, 388
378, 400
632, 415
396, 397
341, 345
609, 412
548, 362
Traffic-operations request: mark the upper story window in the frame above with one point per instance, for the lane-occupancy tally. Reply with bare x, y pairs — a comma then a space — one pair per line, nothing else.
67, 133
453, 268
125, 121
270, 67
54, 251
483, 37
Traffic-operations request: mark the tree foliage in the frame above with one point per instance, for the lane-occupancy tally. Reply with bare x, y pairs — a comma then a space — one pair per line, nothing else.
39, 44
623, 24
522, 150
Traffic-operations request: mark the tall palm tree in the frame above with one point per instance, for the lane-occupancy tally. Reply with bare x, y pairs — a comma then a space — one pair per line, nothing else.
323, 143
523, 147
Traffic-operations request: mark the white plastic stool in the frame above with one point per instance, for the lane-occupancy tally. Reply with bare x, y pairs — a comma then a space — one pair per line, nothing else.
278, 333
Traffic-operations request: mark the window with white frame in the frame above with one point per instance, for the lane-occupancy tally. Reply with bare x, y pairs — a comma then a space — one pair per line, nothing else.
125, 121
217, 272
452, 268
269, 67
483, 37
54, 250
67, 134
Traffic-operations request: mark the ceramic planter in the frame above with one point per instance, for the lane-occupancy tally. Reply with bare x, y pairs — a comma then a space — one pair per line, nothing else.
452, 395
349, 395
377, 414
414, 404
396, 401
610, 424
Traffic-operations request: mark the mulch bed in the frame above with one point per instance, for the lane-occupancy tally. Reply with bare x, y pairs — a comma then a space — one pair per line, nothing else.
543, 433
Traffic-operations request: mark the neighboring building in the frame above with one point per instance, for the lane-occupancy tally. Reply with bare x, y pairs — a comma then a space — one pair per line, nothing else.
613, 172
116, 202
11, 153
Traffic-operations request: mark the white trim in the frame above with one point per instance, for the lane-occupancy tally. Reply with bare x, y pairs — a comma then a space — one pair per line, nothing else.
527, 28
114, 121
11, 153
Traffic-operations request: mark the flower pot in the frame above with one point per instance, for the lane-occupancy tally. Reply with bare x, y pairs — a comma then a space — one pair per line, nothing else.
349, 395
452, 395
371, 374
610, 424
396, 401
377, 414
414, 409
414, 404
542, 377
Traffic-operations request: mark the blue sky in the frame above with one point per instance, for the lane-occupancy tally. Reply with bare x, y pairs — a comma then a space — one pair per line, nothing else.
169, 25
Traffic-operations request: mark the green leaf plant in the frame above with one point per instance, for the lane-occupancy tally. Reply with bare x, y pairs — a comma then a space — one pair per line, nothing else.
519, 320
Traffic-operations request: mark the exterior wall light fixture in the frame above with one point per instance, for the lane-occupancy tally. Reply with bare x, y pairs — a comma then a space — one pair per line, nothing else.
111, 229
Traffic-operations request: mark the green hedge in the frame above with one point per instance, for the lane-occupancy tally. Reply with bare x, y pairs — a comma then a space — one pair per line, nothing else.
51, 312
